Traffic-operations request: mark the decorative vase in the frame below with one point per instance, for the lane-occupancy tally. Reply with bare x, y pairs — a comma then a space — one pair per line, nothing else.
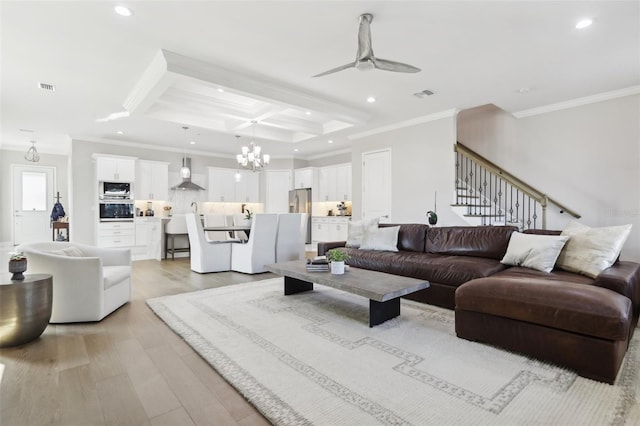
17, 267
337, 268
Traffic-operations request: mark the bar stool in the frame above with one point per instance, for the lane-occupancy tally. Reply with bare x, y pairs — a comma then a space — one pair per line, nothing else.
175, 227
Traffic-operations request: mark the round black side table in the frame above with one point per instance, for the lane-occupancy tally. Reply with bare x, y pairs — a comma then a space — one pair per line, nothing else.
25, 308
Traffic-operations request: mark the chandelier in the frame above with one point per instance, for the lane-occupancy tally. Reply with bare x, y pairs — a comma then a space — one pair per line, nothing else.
32, 153
252, 157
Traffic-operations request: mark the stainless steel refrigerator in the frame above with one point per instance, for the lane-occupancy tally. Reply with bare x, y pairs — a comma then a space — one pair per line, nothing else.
300, 202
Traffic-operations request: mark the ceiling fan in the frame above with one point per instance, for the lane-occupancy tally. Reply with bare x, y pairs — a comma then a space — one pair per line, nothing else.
365, 60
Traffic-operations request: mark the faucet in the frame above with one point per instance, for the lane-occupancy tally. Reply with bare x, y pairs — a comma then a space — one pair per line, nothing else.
194, 206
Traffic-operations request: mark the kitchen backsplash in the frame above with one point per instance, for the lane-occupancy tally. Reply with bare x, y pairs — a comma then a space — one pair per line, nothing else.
322, 208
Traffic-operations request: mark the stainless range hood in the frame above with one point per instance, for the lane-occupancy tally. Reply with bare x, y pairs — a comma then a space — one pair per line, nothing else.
186, 183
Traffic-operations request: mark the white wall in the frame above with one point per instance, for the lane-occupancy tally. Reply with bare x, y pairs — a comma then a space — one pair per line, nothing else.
7, 158
422, 162
587, 158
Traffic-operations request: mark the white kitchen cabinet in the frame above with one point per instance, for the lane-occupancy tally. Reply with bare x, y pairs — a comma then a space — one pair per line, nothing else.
148, 238
115, 169
327, 184
337, 229
222, 185
248, 189
116, 234
319, 230
306, 178
329, 228
224, 188
152, 180
335, 183
343, 182
278, 184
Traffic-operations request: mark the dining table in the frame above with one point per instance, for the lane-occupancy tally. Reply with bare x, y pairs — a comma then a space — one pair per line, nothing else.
230, 229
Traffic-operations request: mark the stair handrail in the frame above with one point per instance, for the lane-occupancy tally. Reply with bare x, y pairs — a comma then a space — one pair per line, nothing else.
530, 191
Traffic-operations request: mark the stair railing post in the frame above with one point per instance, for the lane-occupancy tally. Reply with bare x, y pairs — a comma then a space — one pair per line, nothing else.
543, 203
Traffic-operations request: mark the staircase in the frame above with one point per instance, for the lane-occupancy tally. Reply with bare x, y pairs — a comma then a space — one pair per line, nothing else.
487, 195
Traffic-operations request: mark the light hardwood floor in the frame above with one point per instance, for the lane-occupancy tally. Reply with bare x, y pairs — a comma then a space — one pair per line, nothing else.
128, 369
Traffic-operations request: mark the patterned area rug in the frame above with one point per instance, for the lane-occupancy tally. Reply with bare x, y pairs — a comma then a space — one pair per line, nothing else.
311, 359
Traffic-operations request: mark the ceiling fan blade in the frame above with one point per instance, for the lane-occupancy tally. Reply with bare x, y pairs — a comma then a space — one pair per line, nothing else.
340, 68
386, 65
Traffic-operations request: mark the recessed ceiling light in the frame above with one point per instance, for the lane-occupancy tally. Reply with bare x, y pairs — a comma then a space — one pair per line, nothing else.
120, 132
123, 10
308, 112
295, 150
371, 99
221, 90
524, 90
584, 23
192, 142
330, 141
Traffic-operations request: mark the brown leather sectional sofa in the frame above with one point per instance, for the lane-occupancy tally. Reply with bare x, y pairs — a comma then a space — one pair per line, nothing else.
562, 317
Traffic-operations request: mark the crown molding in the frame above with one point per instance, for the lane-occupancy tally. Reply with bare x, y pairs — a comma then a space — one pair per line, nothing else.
327, 154
169, 148
407, 123
152, 147
633, 90
41, 149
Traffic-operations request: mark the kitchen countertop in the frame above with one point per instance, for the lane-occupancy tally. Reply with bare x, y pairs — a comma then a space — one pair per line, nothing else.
331, 217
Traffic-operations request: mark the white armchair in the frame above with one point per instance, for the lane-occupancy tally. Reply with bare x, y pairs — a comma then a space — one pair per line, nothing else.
88, 282
260, 249
206, 256
289, 240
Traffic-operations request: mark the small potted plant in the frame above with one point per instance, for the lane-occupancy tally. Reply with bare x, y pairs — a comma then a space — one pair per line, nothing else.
248, 215
337, 259
17, 265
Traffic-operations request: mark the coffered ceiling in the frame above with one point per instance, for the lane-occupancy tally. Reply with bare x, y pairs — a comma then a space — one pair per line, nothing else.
216, 66
178, 89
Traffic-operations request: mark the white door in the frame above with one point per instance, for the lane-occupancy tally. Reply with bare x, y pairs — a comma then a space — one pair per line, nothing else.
32, 203
278, 187
376, 185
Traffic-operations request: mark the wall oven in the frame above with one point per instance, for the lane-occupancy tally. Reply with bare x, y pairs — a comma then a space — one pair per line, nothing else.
115, 191
117, 210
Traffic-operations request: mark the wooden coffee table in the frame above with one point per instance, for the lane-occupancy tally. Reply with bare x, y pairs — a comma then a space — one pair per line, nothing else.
383, 290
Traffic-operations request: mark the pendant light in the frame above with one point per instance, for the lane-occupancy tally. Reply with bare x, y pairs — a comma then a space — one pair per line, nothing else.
32, 153
185, 172
237, 176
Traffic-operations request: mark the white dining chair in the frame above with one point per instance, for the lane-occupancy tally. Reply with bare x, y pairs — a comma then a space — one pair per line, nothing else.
289, 242
240, 219
260, 248
214, 256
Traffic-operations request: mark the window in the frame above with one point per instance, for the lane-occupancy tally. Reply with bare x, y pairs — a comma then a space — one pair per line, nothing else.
34, 191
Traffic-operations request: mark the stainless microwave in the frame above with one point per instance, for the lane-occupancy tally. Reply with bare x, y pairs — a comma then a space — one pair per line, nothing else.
117, 211
116, 190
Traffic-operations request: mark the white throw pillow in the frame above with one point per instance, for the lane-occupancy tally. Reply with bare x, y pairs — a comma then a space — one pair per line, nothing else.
590, 251
356, 231
383, 239
534, 251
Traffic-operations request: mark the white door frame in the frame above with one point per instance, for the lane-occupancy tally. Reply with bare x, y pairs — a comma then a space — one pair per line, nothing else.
364, 184
52, 185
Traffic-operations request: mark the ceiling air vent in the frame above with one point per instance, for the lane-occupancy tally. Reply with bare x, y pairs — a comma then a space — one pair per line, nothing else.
423, 94
47, 86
